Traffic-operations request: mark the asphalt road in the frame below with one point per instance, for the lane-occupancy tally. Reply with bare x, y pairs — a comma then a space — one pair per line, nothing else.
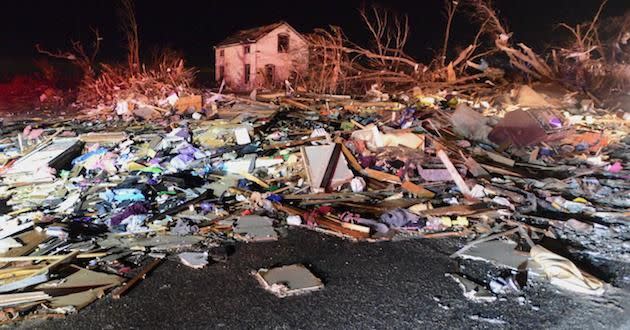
368, 286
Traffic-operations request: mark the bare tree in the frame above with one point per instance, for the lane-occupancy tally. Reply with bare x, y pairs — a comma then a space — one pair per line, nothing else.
130, 27
451, 7
78, 55
523, 57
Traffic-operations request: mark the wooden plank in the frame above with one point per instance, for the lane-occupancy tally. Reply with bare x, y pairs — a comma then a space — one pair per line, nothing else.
502, 171
324, 223
296, 104
293, 143
475, 168
381, 176
103, 137
332, 166
254, 179
459, 181
52, 257
417, 190
142, 275
351, 159
500, 159
455, 210
30, 240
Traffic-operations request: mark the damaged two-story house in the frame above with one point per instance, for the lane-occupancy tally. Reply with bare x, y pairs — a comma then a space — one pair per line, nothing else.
261, 57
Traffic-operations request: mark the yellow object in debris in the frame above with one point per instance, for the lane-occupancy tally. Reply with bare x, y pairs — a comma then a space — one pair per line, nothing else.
460, 221
133, 166
581, 200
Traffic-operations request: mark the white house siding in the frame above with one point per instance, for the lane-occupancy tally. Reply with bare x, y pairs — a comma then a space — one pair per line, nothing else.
262, 53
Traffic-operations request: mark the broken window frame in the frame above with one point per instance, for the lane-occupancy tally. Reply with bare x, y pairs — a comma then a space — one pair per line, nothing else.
221, 72
283, 43
248, 72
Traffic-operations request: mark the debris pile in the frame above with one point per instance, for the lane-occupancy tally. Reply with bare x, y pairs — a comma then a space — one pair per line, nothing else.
91, 207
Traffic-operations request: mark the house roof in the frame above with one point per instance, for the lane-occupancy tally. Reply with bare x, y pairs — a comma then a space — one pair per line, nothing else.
252, 35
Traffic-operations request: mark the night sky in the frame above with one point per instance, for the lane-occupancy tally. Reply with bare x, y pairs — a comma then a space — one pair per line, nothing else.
193, 26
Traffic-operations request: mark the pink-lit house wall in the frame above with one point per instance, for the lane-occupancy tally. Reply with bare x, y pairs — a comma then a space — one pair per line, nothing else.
270, 59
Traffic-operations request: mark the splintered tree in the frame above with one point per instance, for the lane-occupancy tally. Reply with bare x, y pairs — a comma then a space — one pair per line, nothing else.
104, 84
588, 64
350, 66
597, 57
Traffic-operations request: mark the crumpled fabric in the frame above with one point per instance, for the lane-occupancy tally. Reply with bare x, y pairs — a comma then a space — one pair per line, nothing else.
31, 133
406, 118
367, 161
356, 218
309, 217
399, 218
563, 273
135, 223
181, 161
94, 153
128, 194
184, 227
356, 146
133, 209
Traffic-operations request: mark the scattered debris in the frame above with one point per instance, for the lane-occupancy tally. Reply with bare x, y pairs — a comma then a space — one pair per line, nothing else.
473, 291
494, 321
154, 168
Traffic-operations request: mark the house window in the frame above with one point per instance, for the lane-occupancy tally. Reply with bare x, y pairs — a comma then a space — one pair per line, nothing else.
222, 53
247, 73
246, 49
221, 72
283, 43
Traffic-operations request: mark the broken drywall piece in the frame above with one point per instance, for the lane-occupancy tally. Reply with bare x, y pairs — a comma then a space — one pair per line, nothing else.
8, 243
24, 282
242, 136
255, 228
326, 166
196, 260
499, 252
10, 226
77, 300
244, 164
81, 278
157, 243
288, 280
472, 291
470, 124
42, 163
93, 285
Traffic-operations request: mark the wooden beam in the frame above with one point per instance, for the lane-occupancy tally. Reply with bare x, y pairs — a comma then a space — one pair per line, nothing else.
417, 190
459, 181
142, 275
